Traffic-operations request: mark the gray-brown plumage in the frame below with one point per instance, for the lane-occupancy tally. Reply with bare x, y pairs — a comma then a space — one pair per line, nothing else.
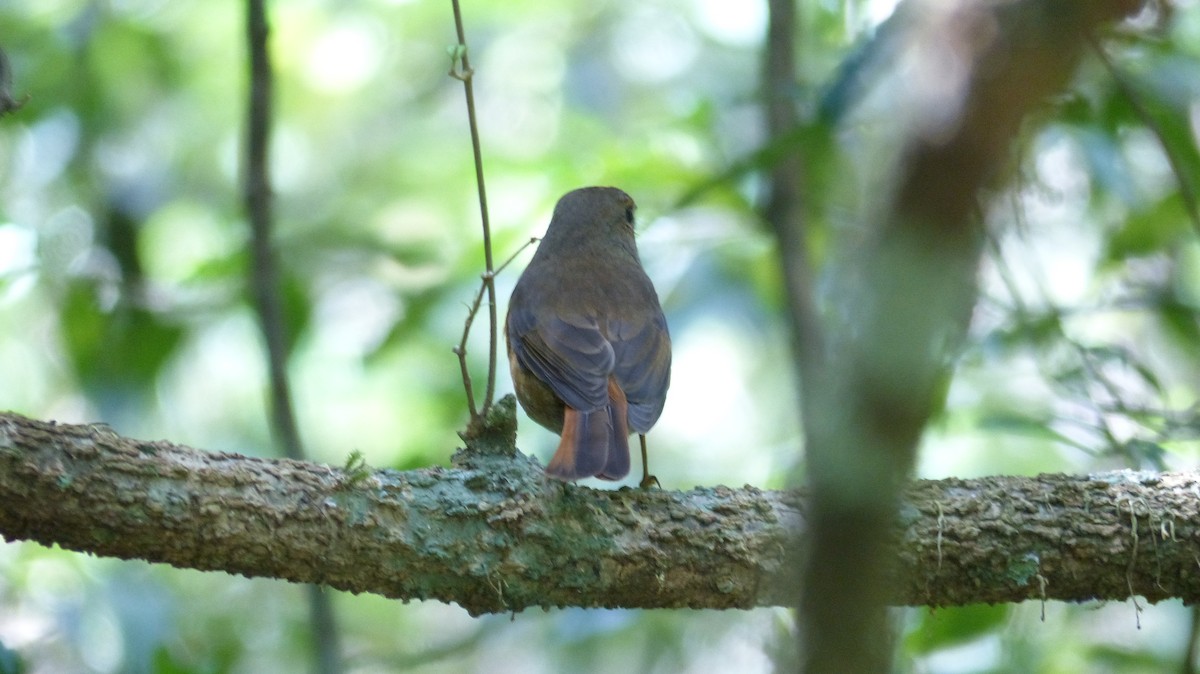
587, 340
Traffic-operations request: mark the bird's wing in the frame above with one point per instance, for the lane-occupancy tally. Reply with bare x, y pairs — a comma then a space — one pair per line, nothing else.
568, 354
643, 366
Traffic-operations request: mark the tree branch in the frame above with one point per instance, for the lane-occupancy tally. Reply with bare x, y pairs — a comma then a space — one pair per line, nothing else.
493, 535
265, 286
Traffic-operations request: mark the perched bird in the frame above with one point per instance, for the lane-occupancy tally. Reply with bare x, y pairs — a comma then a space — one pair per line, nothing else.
587, 340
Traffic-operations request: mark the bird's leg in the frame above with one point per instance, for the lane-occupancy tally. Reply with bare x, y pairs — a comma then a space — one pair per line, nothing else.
648, 480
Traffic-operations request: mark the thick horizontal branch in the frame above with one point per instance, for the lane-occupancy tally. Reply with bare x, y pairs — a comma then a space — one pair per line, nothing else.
493, 535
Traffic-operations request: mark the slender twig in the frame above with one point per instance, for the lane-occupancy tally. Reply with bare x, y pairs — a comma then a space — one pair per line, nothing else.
532, 240
460, 69
460, 349
264, 282
1186, 190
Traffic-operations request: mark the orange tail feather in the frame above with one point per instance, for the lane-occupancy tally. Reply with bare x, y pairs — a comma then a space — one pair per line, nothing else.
594, 444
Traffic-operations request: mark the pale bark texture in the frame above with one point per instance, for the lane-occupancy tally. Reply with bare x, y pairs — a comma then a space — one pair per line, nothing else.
492, 534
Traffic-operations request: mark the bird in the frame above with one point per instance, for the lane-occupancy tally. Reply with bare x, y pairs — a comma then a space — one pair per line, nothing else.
587, 340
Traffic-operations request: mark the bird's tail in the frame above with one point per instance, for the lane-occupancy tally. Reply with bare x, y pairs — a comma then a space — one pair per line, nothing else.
595, 443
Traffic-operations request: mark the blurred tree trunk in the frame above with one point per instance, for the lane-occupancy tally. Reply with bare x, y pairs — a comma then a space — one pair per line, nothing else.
873, 371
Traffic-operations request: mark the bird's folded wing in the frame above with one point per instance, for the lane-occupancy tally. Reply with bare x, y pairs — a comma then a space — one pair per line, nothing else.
643, 366
569, 355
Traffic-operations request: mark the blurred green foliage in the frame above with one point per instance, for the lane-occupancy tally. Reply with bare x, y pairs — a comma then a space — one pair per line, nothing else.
123, 294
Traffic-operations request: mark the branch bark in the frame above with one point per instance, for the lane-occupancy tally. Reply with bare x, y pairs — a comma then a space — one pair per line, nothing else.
493, 535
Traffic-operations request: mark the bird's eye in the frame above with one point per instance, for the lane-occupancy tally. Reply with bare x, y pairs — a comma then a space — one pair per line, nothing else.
629, 215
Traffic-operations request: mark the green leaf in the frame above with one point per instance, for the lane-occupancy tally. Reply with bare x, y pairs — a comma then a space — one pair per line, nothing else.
1164, 96
117, 351
1150, 230
1181, 321
943, 627
1145, 453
